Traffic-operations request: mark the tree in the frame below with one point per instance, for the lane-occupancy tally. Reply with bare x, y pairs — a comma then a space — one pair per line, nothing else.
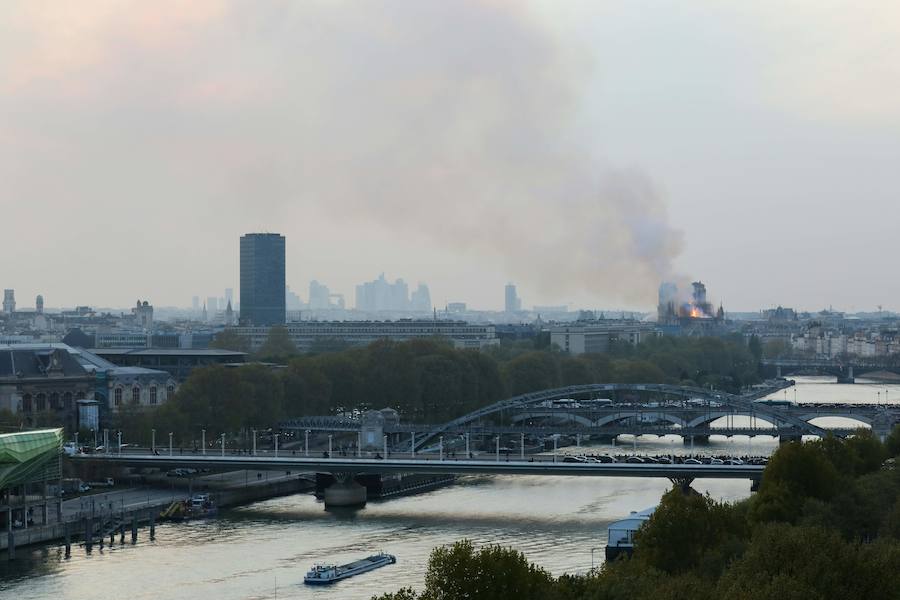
459, 572
892, 443
278, 345
229, 339
531, 372
684, 529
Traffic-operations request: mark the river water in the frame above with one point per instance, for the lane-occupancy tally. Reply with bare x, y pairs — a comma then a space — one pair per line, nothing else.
262, 550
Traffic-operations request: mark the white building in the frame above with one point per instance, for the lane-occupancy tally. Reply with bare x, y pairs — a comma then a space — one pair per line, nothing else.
590, 338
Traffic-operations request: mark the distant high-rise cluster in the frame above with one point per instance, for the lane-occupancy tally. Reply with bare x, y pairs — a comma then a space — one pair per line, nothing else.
512, 301
381, 295
262, 279
421, 299
321, 297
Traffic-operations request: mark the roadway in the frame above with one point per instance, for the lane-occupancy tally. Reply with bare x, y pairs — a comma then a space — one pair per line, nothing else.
431, 465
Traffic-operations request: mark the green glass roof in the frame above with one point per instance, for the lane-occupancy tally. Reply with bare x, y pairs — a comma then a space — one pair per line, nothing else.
24, 455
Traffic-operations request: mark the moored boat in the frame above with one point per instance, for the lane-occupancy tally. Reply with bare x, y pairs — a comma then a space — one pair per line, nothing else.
325, 574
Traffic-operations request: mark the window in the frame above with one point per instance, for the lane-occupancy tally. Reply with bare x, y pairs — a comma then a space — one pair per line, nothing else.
41, 402
170, 391
67, 400
136, 394
79, 396
153, 395
26, 403
117, 395
54, 401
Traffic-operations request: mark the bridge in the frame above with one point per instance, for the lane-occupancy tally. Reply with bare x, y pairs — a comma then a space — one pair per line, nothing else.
608, 410
346, 491
843, 369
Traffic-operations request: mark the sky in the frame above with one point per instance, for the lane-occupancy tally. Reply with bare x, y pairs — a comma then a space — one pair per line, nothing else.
585, 150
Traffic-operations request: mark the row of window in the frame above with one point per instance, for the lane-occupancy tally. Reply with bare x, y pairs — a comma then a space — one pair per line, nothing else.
53, 401
118, 394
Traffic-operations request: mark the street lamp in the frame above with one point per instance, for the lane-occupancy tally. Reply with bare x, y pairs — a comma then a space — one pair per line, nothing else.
276, 444
330, 436
306, 444
203, 440
468, 454
441, 447
119, 436
385, 445
170, 443
497, 440
223, 444
254, 442
152, 441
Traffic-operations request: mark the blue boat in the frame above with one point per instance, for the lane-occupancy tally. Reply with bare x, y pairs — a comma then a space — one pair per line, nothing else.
326, 574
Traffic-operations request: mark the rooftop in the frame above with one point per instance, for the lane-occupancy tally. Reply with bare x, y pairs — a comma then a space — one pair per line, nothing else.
166, 352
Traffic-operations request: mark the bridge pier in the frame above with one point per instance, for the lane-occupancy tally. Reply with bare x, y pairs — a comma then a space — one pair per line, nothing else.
345, 492
696, 440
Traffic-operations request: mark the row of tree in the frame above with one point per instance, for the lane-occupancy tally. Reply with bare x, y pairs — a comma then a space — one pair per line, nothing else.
426, 380
825, 524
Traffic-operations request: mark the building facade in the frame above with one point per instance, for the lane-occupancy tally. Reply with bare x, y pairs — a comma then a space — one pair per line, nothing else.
592, 338
361, 333
46, 382
262, 279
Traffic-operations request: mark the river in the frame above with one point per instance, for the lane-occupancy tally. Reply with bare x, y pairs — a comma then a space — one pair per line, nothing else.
262, 550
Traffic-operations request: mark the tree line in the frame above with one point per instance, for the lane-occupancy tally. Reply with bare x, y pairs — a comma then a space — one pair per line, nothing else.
425, 380
825, 524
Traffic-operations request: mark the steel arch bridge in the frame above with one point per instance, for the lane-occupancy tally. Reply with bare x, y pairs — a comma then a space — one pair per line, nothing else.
703, 406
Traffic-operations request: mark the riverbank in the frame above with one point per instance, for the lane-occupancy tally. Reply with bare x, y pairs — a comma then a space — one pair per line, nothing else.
99, 514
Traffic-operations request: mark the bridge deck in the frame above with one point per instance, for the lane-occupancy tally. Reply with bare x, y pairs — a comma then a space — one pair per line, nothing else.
429, 466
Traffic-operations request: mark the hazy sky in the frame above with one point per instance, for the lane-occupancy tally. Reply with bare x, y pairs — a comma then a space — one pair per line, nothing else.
584, 150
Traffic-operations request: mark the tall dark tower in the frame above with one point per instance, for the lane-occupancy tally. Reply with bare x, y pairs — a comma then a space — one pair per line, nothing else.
262, 279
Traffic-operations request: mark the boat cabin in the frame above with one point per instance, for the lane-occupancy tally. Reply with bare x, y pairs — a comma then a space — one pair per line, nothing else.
620, 534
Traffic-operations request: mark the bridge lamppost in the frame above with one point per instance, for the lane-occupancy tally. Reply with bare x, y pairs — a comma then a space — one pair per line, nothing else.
276, 444
152, 441
385, 445
497, 440
468, 454
223, 444
441, 447
203, 441
254, 441
412, 446
170, 443
306, 443
555, 441
522, 446
119, 436
329, 444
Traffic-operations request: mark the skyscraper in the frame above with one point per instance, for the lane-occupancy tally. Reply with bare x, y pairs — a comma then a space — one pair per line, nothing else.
513, 302
421, 299
262, 279
9, 301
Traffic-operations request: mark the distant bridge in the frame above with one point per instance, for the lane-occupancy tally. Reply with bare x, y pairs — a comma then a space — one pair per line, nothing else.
637, 409
844, 369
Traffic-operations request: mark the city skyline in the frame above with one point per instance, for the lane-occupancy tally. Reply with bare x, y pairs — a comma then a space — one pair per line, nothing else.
639, 156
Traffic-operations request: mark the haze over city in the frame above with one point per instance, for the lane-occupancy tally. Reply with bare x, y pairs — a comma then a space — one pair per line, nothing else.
585, 150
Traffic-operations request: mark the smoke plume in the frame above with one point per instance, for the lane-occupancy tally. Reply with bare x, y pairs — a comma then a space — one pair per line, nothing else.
456, 124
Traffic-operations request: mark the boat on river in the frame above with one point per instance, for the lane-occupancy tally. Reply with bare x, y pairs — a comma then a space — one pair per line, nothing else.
325, 574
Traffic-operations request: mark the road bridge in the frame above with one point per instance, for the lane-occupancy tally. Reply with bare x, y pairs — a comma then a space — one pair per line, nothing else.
347, 492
